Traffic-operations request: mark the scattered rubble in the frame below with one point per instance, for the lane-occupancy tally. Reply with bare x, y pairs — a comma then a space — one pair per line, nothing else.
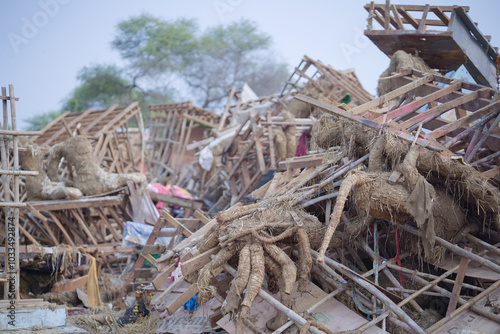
321, 209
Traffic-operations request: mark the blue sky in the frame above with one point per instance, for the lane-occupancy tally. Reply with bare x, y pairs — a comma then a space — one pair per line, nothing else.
42, 60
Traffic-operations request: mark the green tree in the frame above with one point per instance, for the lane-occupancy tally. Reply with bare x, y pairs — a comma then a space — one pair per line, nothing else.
154, 47
230, 56
101, 86
205, 64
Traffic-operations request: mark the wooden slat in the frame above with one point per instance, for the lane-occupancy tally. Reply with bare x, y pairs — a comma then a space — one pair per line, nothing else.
84, 226
437, 111
464, 121
76, 203
418, 103
422, 25
392, 95
42, 218
198, 262
63, 230
57, 135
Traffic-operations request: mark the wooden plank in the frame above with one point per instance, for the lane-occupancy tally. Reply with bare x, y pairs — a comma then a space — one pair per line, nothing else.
464, 121
53, 123
58, 133
71, 285
183, 298
418, 103
437, 111
117, 118
101, 214
76, 203
226, 109
397, 18
148, 257
256, 138
300, 163
27, 235
139, 263
272, 149
441, 15
457, 287
99, 119
198, 261
392, 95
116, 217
172, 200
387, 15
165, 273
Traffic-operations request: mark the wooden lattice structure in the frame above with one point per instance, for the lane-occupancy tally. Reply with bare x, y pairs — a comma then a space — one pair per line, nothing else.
456, 118
108, 131
88, 221
172, 128
10, 201
445, 37
333, 84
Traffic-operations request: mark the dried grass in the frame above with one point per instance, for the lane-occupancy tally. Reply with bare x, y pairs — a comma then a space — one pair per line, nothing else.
104, 321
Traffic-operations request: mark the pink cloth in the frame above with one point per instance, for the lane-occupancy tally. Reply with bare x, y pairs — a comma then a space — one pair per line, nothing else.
302, 147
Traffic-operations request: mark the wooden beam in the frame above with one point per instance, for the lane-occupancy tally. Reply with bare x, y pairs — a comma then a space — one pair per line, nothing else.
55, 205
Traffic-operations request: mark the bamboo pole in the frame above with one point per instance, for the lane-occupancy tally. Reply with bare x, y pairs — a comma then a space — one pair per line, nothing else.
391, 277
377, 293
455, 249
482, 244
279, 306
466, 306
430, 276
446, 293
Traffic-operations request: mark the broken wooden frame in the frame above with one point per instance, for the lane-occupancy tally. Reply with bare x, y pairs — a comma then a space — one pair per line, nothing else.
468, 131
172, 128
445, 37
138, 275
109, 134
310, 72
11, 200
75, 222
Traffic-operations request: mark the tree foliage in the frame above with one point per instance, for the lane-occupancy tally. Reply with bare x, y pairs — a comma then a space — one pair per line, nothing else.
168, 61
101, 86
205, 63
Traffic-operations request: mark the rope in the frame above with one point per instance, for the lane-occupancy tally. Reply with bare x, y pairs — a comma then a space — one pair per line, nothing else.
398, 259
360, 306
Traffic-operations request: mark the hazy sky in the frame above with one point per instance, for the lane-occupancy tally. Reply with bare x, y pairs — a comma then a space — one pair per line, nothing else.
44, 43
